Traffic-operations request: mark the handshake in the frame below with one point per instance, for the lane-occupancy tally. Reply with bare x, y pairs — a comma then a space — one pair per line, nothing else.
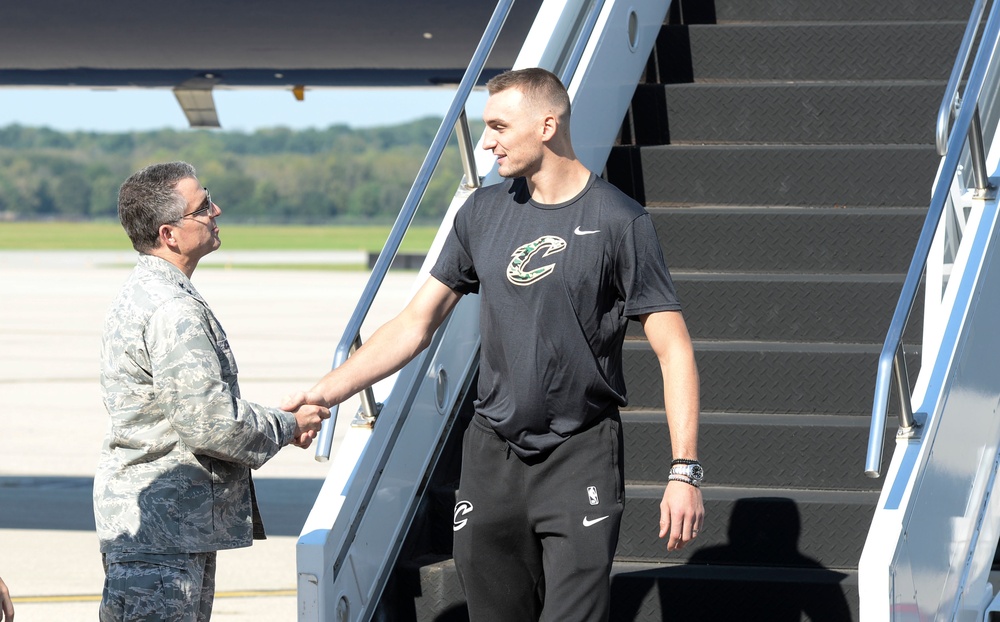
310, 410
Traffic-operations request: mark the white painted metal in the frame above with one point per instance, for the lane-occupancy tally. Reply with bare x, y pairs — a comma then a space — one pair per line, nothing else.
936, 527
353, 534
967, 144
940, 266
936, 506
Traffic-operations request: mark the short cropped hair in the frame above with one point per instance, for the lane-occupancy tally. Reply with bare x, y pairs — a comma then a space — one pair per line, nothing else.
148, 199
539, 87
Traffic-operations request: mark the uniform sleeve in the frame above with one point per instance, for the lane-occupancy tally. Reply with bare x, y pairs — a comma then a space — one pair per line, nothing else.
454, 266
190, 364
643, 278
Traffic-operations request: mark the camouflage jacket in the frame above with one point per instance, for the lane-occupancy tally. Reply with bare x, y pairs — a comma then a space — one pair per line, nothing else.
174, 472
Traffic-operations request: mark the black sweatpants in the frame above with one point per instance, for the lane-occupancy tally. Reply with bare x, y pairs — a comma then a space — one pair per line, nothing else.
535, 540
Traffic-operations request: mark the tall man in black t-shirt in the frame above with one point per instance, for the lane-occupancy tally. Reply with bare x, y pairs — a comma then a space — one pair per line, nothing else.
562, 260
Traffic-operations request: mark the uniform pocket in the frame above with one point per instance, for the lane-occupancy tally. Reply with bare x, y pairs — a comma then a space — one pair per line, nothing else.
617, 457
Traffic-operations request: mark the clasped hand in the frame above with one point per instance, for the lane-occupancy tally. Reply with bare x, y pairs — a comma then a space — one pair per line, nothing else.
310, 411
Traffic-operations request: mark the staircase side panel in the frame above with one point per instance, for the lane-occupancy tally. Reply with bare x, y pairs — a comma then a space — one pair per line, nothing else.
940, 503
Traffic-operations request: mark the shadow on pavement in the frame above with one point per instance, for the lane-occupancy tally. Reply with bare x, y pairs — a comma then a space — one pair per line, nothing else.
66, 503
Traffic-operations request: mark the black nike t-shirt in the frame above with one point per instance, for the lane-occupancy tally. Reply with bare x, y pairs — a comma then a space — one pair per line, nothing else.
558, 284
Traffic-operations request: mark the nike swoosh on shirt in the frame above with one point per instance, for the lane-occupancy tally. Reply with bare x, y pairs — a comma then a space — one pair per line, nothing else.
579, 231
587, 522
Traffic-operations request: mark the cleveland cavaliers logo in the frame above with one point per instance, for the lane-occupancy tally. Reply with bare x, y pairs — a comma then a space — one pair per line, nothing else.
461, 509
518, 271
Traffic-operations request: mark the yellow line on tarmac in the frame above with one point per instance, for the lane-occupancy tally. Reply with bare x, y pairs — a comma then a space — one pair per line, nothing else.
79, 598
254, 593
88, 598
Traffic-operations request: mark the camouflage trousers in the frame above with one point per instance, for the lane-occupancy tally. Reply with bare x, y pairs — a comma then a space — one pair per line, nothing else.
159, 588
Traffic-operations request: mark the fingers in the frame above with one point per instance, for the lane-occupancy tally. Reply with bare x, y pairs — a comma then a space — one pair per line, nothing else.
682, 515
6, 605
304, 440
293, 401
299, 399
318, 414
682, 532
309, 418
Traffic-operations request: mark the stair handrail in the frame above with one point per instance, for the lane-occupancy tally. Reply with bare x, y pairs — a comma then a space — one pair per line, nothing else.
568, 70
455, 118
952, 99
891, 362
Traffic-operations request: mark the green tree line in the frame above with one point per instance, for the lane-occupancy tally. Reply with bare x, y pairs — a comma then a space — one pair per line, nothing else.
333, 175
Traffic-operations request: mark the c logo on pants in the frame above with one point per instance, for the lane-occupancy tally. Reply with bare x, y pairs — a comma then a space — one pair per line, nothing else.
461, 509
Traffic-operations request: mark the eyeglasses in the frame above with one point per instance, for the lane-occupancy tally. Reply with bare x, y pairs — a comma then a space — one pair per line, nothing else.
206, 206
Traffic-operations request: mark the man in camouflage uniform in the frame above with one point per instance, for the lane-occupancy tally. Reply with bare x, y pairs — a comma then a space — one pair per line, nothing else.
173, 485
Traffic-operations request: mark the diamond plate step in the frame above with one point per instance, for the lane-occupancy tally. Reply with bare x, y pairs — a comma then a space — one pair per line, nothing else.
798, 113
771, 451
774, 240
756, 377
808, 51
645, 592
761, 527
425, 589
840, 11
789, 175
801, 308
648, 592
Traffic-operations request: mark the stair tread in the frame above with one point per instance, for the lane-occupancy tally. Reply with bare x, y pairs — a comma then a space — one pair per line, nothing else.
842, 11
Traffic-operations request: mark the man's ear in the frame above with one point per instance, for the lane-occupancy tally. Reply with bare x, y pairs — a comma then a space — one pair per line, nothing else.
550, 126
166, 236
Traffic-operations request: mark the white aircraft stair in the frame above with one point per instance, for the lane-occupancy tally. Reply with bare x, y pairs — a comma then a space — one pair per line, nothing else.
933, 538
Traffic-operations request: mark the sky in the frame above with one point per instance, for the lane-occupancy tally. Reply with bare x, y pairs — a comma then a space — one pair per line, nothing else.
121, 110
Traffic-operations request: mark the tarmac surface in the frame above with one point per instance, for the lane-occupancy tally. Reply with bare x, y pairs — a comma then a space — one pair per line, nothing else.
284, 325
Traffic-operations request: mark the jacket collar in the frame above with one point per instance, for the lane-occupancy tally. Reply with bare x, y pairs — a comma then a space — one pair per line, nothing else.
163, 269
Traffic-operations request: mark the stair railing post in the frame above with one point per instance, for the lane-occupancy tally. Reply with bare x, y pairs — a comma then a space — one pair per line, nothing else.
907, 423
466, 149
984, 189
952, 100
369, 409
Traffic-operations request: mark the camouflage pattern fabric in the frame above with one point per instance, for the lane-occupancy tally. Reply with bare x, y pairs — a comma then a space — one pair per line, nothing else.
159, 588
174, 471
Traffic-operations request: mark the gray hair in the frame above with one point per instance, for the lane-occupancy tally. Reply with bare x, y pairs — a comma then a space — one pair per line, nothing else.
148, 199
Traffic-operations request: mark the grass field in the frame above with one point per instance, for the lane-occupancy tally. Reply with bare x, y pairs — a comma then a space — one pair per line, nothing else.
110, 236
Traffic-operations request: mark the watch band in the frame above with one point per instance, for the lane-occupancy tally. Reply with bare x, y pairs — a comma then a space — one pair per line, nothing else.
692, 471
675, 477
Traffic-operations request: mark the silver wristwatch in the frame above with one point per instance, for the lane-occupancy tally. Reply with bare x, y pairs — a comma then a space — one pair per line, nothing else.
693, 472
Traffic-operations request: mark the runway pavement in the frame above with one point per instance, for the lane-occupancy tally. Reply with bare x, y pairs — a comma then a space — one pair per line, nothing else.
284, 326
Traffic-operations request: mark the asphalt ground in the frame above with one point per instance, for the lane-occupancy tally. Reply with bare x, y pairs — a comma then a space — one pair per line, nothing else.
284, 326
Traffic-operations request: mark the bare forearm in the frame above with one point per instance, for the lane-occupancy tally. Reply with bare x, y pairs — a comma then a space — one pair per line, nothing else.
386, 352
669, 338
682, 510
681, 401
392, 346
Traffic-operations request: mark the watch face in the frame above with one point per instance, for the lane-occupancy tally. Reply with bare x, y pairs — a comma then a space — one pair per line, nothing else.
693, 471
697, 473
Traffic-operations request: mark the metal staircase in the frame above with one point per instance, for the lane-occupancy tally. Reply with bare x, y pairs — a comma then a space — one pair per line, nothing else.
931, 551
786, 153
